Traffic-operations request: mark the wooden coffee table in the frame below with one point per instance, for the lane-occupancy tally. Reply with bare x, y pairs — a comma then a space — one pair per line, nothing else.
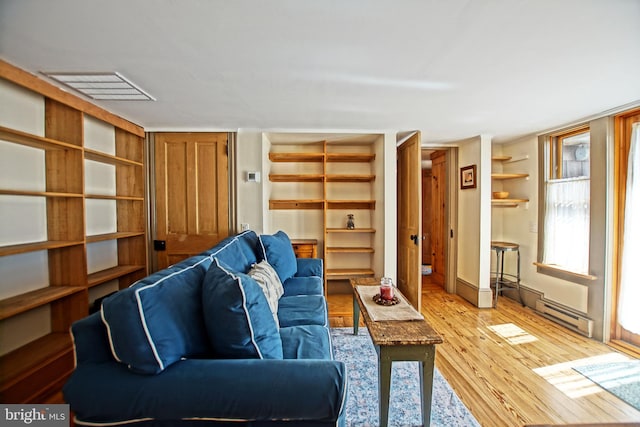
398, 340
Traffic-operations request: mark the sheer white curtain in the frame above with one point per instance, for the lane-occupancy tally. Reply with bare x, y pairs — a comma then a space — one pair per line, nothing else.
566, 230
628, 314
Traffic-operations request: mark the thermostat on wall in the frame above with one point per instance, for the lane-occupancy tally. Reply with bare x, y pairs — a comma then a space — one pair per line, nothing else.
253, 176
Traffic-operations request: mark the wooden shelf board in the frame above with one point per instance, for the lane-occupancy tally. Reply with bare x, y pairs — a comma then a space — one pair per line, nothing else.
340, 273
34, 141
350, 157
355, 230
295, 177
296, 204
296, 157
335, 249
104, 276
113, 236
350, 178
28, 358
40, 194
108, 158
498, 201
509, 175
15, 305
501, 158
107, 197
38, 246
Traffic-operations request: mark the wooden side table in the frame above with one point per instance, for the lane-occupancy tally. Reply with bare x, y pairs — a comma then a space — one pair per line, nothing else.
397, 340
305, 248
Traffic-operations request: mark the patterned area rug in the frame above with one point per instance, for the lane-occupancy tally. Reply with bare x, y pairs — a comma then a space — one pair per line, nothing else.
360, 357
619, 378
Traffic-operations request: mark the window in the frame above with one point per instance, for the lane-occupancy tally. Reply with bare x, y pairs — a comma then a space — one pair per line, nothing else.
567, 202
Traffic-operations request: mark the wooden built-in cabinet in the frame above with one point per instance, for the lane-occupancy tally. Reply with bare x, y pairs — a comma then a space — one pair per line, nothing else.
510, 201
339, 183
49, 281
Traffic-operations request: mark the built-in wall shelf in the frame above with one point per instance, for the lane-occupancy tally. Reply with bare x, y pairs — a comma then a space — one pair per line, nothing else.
108, 158
37, 246
509, 175
353, 230
350, 178
18, 304
34, 141
340, 184
51, 194
296, 157
113, 236
62, 132
347, 273
350, 250
501, 158
296, 204
113, 273
275, 177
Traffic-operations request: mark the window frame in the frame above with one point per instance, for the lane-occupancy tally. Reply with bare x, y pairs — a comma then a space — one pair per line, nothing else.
549, 155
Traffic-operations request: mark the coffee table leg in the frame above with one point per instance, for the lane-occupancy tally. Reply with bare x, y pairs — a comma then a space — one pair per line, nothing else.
426, 383
356, 314
384, 384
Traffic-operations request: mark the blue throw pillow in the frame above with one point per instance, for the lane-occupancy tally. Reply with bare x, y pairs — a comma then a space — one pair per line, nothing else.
158, 320
277, 250
237, 316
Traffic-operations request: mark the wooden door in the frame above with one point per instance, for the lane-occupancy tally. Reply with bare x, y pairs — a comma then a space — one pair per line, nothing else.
409, 220
192, 193
438, 216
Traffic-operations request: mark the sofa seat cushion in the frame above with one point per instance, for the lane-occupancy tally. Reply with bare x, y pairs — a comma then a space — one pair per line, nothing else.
306, 342
303, 286
277, 250
237, 315
158, 320
303, 310
214, 389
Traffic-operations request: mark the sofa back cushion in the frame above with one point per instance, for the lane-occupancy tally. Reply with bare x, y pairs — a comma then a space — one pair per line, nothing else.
277, 250
238, 252
158, 320
237, 316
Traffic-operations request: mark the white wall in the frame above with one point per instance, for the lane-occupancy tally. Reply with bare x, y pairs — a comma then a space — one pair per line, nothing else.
474, 219
520, 225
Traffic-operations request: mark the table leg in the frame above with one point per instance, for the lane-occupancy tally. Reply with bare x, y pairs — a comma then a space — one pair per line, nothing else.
384, 385
356, 313
426, 383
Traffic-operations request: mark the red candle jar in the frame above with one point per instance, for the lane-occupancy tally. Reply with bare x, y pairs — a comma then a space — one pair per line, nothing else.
386, 289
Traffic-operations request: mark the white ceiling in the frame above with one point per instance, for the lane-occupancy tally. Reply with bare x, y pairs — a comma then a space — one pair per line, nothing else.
451, 69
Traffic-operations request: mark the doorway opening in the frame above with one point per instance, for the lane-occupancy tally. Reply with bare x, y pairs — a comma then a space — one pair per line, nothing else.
436, 219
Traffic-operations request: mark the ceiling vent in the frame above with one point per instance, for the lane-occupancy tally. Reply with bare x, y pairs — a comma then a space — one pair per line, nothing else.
109, 86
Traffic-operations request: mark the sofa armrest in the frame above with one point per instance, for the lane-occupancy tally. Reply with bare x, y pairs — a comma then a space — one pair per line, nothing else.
90, 340
243, 389
309, 267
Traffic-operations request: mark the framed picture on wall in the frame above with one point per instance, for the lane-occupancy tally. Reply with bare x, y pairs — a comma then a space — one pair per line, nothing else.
468, 177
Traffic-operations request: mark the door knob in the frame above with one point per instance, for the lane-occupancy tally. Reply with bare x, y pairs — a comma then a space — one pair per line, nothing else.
414, 237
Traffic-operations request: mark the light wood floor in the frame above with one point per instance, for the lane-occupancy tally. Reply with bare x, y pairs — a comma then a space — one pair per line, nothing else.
510, 366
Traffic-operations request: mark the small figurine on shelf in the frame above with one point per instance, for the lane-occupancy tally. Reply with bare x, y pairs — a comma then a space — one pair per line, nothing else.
350, 224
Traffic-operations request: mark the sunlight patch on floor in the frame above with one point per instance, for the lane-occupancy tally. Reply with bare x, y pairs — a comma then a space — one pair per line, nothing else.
513, 334
572, 383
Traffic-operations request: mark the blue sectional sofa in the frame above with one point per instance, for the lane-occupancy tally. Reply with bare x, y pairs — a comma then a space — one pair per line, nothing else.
213, 340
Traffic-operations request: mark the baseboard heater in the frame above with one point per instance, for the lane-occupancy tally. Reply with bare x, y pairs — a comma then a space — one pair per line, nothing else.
565, 317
